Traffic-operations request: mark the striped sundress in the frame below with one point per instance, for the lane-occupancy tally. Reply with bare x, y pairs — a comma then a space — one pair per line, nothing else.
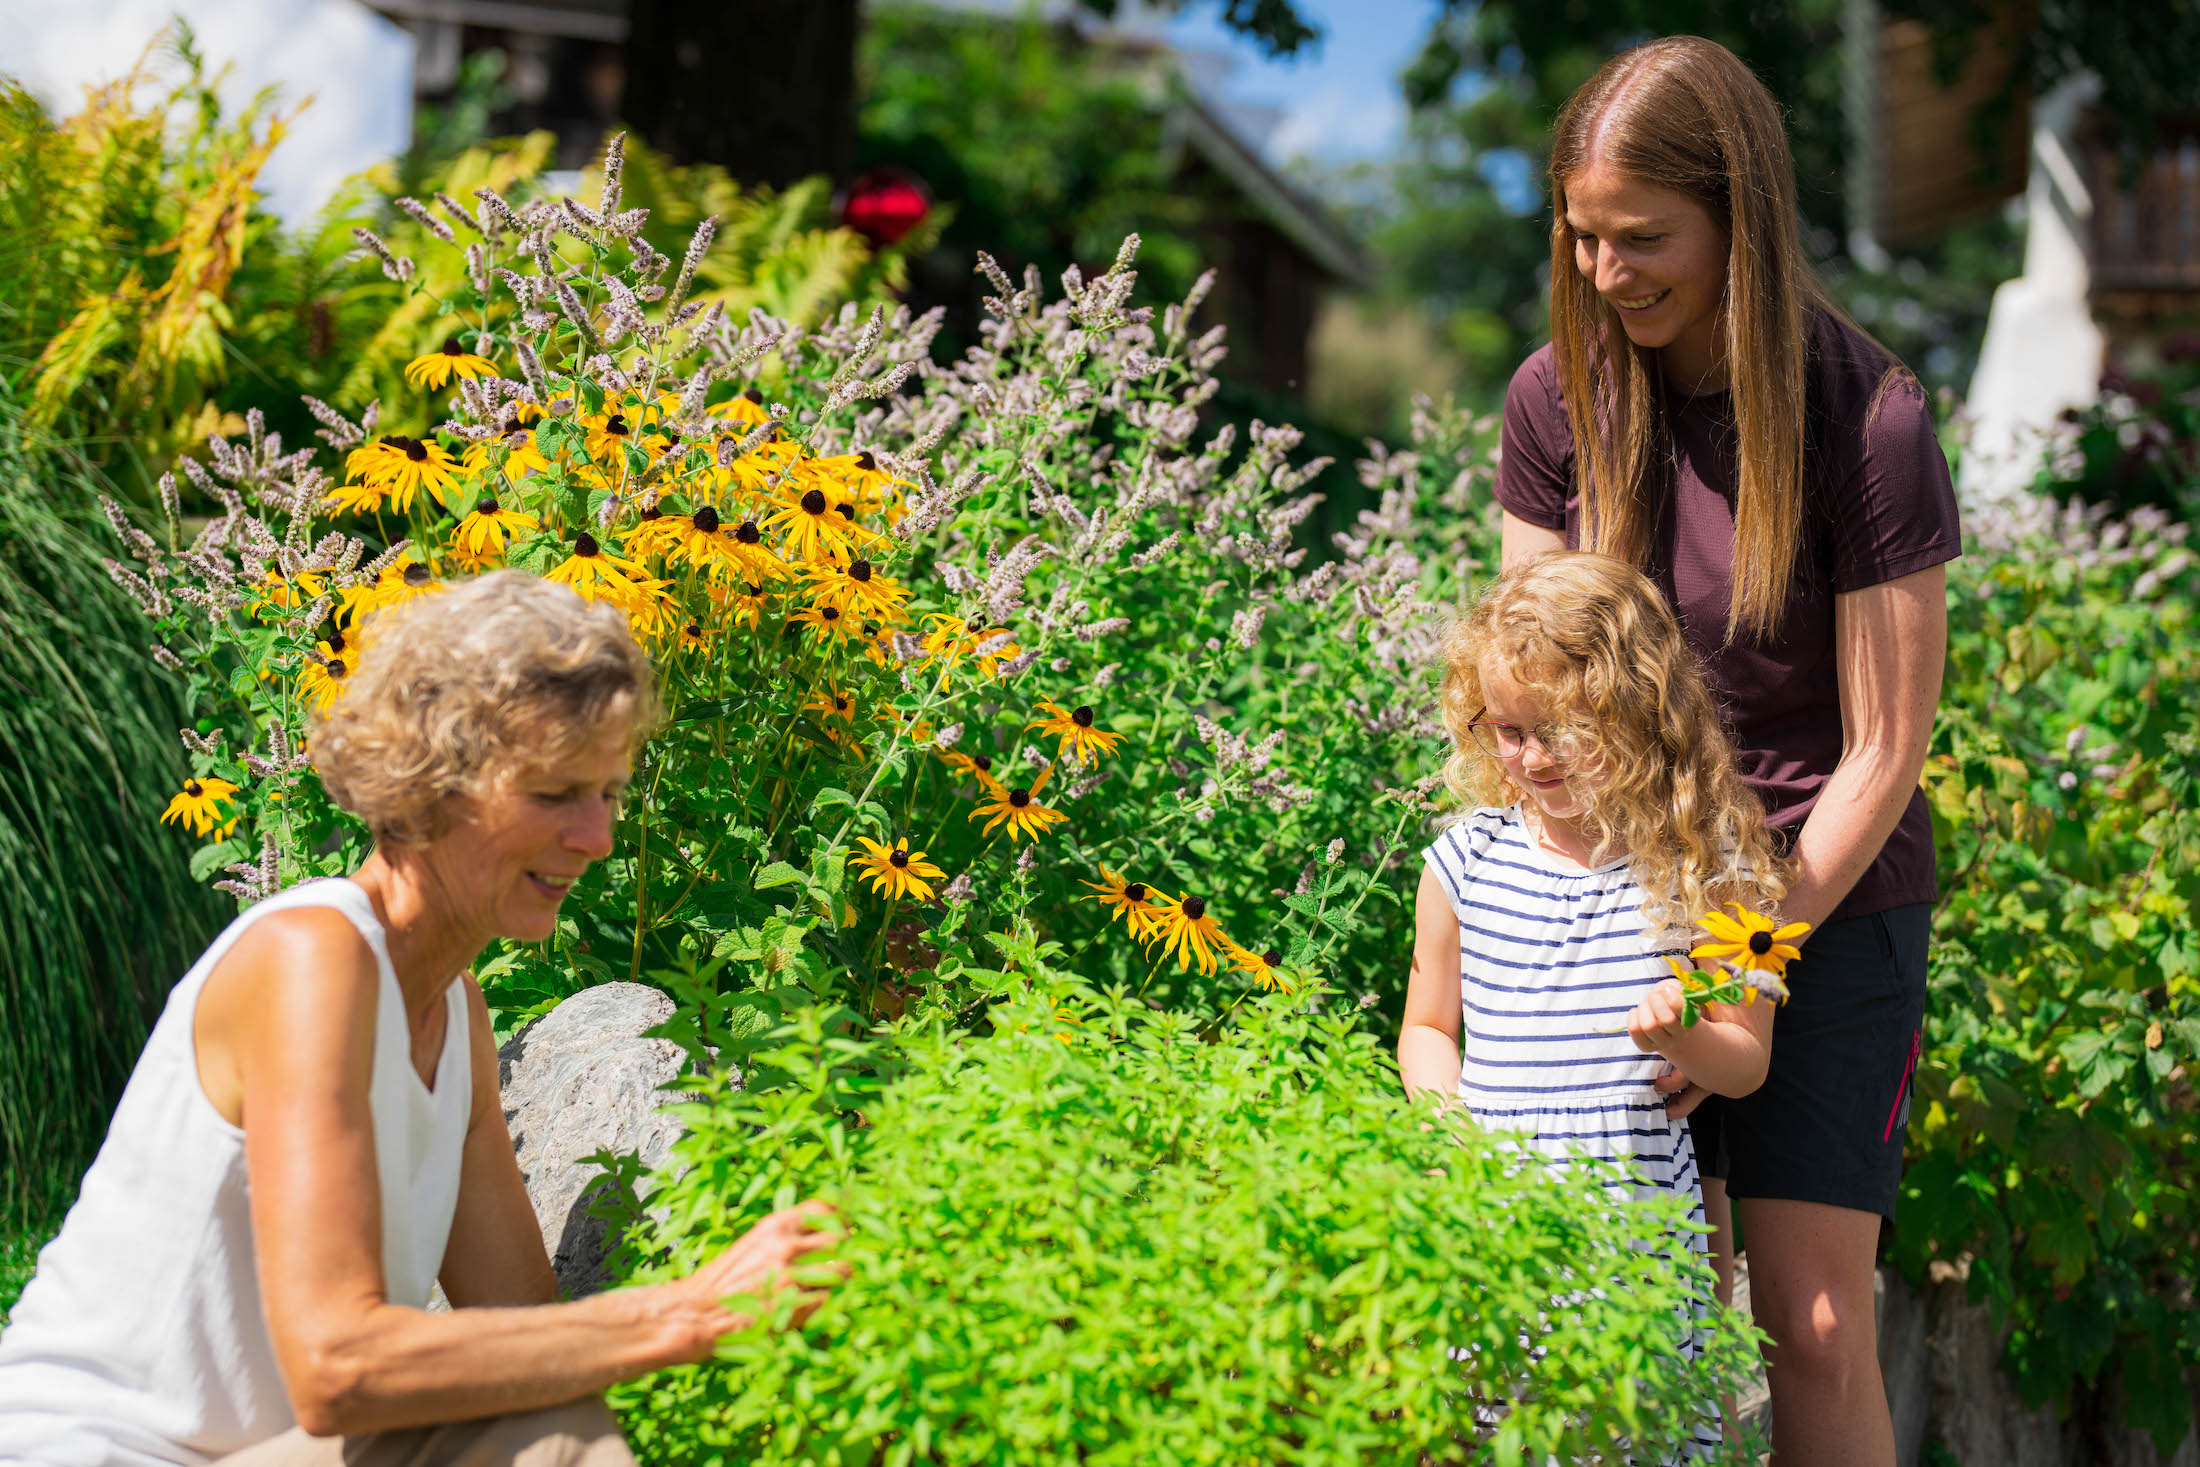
1550, 953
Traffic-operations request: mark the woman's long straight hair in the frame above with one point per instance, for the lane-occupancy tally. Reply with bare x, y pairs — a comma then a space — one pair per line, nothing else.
1686, 114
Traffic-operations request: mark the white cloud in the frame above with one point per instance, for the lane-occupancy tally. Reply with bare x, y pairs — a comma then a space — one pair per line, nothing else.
1339, 121
356, 65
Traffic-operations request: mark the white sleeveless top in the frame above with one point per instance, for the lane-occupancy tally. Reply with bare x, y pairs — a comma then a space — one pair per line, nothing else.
1549, 954
140, 1339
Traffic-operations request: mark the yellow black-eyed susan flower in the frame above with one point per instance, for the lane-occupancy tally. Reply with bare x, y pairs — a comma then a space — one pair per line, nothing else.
276, 590
449, 360
357, 498
895, 870
1018, 809
596, 573
858, 588
322, 682
199, 807
521, 456
742, 601
482, 537
1264, 968
407, 466
1074, 728
1185, 927
827, 621
978, 766
695, 637
1133, 901
812, 531
830, 703
1749, 940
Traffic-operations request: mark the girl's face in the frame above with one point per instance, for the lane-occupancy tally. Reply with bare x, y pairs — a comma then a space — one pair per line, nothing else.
509, 857
1555, 785
1657, 256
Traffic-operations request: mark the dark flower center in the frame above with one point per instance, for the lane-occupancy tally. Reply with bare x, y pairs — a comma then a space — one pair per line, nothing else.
193, 788
617, 424
694, 629
1194, 907
585, 544
814, 502
830, 613
899, 858
335, 640
451, 348
1081, 716
752, 395
984, 762
1136, 891
748, 534
487, 504
672, 436
394, 440
1271, 958
513, 425
706, 520
859, 570
417, 575
755, 589
1760, 943
416, 450
866, 462
870, 629
1019, 798
848, 511
336, 667
652, 512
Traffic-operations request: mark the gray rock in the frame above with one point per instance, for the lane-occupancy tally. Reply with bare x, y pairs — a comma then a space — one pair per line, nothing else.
579, 1080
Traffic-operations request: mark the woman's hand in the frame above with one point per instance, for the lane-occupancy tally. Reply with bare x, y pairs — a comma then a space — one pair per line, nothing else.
757, 1266
1682, 1094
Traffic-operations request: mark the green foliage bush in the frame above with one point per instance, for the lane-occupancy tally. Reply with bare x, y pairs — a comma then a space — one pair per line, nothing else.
1091, 1231
2058, 1150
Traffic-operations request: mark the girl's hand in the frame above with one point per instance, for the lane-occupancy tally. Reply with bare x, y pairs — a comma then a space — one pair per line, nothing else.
1655, 1022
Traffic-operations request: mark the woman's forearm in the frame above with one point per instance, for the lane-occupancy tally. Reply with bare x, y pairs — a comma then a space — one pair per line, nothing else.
1857, 810
399, 1367
1428, 1061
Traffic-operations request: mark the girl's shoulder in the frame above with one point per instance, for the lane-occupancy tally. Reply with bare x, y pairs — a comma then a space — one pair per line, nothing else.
1467, 842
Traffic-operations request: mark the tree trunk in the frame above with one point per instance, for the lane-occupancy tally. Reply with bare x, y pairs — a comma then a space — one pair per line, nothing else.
763, 88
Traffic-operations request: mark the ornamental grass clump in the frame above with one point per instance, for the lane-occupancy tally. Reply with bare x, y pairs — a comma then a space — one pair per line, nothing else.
1102, 1233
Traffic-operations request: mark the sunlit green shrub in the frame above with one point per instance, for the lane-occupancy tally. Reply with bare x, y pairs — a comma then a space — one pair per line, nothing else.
1090, 1231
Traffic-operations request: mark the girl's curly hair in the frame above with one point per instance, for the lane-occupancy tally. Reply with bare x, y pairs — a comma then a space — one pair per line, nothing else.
1625, 696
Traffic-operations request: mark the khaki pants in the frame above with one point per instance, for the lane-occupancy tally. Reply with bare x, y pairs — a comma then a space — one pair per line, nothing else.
578, 1434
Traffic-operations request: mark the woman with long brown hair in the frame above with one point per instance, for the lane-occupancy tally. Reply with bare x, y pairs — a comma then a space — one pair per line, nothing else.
1705, 413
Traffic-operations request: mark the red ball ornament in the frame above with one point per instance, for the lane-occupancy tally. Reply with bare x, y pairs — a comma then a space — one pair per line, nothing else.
883, 205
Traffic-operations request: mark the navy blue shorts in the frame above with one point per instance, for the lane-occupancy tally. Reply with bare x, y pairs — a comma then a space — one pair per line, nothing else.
1827, 1125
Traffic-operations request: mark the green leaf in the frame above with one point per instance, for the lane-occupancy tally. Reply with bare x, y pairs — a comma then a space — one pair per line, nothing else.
778, 873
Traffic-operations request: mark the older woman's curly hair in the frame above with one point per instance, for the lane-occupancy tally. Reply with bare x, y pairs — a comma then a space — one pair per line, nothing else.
1594, 639
464, 690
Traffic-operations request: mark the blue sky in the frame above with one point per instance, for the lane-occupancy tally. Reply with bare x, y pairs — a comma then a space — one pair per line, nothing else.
1337, 100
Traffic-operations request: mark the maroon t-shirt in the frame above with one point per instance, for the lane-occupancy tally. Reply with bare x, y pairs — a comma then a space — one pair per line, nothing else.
1878, 505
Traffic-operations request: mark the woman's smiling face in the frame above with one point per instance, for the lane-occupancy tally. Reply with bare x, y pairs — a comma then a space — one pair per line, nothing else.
511, 855
1659, 258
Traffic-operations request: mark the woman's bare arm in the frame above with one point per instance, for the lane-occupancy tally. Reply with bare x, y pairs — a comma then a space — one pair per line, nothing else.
293, 1011
495, 1256
1890, 645
1520, 540
1428, 1042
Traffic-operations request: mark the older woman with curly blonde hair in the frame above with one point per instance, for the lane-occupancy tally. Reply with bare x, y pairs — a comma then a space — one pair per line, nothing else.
313, 1137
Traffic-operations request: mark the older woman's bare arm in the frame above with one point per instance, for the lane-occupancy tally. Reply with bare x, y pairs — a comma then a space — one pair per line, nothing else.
293, 1009
495, 1256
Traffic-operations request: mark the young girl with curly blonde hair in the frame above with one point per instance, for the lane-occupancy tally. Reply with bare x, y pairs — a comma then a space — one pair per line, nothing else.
1604, 813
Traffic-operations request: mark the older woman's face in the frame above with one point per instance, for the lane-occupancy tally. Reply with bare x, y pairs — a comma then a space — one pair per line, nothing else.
509, 858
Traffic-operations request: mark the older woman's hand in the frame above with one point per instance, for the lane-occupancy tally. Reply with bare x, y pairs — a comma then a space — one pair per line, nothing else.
759, 1265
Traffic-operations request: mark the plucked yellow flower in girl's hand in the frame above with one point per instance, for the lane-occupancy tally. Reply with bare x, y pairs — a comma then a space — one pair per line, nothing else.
1753, 950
